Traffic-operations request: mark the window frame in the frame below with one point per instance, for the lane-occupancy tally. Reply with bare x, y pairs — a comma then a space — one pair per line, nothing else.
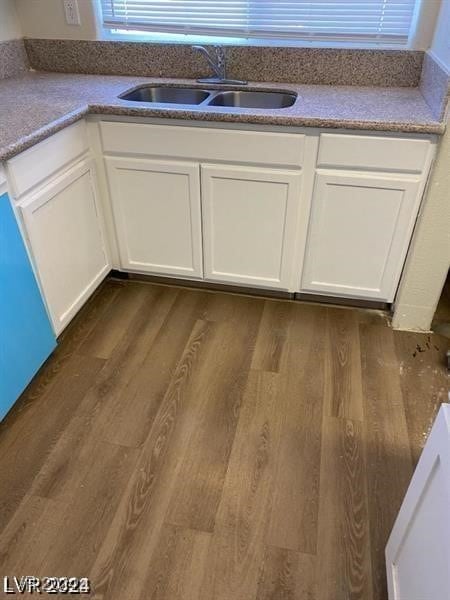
420, 36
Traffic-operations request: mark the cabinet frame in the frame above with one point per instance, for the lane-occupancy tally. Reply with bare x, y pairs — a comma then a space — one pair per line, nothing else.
29, 204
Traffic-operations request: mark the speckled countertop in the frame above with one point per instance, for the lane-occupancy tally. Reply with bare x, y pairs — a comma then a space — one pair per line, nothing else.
35, 105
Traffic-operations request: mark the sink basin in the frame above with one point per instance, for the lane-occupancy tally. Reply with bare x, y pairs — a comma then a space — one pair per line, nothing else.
247, 99
169, 95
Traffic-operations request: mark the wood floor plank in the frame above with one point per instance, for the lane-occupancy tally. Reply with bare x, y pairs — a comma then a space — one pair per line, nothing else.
287, 575
168, 328
239, 416
343, 551
115, 321
25, 447
236, 553
388, 454
88, 510
293, 521
221, 382
343, 389
177, 567
31, 529
120, 569
424, 382
272, 335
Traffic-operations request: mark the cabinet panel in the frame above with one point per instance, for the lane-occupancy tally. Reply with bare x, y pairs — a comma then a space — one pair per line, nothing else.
207, 144
249, 224
40, 161
158, 217
359, 231
418, 550
63, 225
368, 152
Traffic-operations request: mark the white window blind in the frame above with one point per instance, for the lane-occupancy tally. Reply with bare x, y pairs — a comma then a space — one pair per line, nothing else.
386, 21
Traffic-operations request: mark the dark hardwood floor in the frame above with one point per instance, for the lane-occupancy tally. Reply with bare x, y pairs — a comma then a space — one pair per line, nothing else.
188, 445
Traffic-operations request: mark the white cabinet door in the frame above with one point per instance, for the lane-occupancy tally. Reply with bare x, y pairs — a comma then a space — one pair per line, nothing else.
64, 229
359, 231
249, 225
418, 550
157, 213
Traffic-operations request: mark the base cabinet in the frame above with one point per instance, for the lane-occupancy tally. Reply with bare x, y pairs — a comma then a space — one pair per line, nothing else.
249, 224
359, 231
157, 214
62, 222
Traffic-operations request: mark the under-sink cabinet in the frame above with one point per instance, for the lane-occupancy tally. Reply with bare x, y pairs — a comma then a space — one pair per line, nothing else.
293, 210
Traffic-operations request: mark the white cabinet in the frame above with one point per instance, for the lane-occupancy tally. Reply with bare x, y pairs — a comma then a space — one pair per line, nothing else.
157, 214
63, 226
418, 550
359, 230
249, 224
324, 213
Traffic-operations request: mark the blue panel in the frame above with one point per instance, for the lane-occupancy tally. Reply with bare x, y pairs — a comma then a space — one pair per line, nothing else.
26, 336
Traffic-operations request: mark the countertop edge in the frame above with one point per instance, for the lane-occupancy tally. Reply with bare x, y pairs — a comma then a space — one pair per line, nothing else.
22, 144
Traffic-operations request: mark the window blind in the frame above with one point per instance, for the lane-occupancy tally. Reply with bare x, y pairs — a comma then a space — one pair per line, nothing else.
387, 21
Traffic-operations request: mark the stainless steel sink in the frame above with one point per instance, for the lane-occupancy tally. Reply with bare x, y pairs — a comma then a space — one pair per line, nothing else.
213, 97
248, 99
166, 95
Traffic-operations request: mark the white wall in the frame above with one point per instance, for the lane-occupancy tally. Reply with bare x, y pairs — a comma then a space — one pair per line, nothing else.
429, 257
9, 23
441, 41
46, 19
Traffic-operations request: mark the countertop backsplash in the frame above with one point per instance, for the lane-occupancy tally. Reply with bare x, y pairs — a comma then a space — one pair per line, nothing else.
321, 66
435, 86
13, 58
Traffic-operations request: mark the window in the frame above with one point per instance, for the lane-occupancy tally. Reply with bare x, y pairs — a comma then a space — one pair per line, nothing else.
367, 21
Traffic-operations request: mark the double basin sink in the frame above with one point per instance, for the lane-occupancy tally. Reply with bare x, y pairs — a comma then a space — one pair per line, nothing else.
155, 94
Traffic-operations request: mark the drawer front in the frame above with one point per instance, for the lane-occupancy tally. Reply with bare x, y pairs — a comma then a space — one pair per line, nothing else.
373, 152
42, 160
207, 144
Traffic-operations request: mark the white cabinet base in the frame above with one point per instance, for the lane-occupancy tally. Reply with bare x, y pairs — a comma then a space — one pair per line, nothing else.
418, 550
63, 224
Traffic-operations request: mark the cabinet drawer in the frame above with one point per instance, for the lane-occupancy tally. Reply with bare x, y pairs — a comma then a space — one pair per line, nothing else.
42, 160
207, 144
373, 152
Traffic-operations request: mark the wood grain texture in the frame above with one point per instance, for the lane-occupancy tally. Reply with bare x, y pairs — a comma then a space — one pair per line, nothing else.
287, 575
188, 445
388, 451
343, 388
343, 552
293, 519
221, 382
237, 546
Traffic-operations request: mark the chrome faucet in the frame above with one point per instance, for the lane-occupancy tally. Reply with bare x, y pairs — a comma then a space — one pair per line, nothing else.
216, 58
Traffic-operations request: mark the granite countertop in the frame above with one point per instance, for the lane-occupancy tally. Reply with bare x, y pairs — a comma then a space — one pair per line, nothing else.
36, 105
